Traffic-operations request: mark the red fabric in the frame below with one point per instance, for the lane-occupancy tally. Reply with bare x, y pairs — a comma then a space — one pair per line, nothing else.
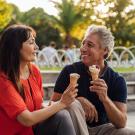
12, 104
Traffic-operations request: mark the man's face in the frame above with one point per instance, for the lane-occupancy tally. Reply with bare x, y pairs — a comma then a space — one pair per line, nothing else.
91, 51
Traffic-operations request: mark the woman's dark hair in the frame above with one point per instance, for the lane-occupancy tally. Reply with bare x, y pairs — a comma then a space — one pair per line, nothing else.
10, 44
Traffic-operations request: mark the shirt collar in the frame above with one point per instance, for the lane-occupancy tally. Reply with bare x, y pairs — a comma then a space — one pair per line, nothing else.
105, 69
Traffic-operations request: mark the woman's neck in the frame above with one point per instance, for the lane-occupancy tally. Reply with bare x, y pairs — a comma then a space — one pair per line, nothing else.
24, 71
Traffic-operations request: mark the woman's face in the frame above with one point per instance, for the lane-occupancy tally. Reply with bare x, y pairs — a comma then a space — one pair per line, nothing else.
28, 50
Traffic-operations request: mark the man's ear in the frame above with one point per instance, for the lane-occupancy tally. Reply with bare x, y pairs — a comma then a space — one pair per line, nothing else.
106, 51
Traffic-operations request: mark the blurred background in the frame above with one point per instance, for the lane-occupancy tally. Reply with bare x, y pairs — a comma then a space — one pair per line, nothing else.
65, 21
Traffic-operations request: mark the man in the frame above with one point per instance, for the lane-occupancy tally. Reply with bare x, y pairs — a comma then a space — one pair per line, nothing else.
104, 99
50, 53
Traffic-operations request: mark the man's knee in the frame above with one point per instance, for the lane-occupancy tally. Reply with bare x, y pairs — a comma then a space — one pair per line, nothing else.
122, 131
125, 131
75, 105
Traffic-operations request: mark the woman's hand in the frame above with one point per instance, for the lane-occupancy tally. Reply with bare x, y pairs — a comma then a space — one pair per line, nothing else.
69, 95
91, 113
100, 87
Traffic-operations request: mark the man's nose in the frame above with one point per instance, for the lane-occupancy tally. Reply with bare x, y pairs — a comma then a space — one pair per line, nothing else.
83, 48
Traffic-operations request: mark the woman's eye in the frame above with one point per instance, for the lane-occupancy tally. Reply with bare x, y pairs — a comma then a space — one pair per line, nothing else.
31, 42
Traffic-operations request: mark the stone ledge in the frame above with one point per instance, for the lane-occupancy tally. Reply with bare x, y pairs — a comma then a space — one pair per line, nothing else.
131, 97
46, 85
130, 82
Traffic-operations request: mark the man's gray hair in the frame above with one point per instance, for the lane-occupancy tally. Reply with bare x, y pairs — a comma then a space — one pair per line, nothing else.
106, 37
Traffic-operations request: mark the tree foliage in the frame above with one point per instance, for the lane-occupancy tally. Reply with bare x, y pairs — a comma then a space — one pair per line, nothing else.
5, 14
120, 19
73, 18
39, 20
16, 15
69, 16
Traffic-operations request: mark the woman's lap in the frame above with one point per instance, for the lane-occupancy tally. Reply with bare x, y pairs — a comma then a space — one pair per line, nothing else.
58, 124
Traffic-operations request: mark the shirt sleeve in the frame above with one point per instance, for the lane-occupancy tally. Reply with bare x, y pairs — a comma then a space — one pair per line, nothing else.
120, 90
10, 100
63, 81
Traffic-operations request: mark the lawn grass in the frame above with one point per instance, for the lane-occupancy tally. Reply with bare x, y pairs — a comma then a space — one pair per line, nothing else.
124, 69
118, 69
51, 68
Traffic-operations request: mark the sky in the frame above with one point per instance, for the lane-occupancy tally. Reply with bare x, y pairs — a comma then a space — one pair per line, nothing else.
25, 5
47, 5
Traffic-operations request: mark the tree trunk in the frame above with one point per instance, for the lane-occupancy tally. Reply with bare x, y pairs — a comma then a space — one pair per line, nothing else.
68, 40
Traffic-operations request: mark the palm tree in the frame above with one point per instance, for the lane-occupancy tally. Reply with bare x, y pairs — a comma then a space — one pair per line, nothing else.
69, 15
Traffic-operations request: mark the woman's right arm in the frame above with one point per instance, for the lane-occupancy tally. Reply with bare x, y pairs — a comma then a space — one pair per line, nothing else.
28, 118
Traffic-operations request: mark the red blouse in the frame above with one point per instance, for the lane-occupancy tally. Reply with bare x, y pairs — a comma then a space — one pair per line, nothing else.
12, 104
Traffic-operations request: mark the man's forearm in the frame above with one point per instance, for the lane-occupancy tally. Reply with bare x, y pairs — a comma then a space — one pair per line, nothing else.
115, 115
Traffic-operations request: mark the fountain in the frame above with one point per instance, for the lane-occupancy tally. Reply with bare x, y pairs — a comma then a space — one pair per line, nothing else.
120, 57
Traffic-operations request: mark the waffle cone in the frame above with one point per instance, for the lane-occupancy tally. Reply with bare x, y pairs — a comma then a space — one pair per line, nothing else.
94, 76
94, 72
73, 78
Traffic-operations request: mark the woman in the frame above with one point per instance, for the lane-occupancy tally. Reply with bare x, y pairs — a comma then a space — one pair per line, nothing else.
21, 93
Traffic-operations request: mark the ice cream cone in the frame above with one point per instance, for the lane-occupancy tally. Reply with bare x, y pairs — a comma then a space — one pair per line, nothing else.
94, 76
94, 70
73, 78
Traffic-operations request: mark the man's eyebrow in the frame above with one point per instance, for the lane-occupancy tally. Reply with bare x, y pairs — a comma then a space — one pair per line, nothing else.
91, 42
88, 42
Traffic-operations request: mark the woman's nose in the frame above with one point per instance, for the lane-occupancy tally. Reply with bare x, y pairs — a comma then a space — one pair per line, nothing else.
36, 47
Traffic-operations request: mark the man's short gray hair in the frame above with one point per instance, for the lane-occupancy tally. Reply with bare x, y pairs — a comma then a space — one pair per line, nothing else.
106, 37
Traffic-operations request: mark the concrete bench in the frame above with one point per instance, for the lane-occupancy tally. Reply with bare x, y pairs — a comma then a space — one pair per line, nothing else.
48, 85
130, 83
51, 85
131, 97
131, 87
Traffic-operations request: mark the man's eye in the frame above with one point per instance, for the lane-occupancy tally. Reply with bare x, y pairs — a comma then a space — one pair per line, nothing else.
90, 45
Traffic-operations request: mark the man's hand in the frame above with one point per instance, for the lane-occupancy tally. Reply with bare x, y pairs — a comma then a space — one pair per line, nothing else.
89, 109
100, 87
